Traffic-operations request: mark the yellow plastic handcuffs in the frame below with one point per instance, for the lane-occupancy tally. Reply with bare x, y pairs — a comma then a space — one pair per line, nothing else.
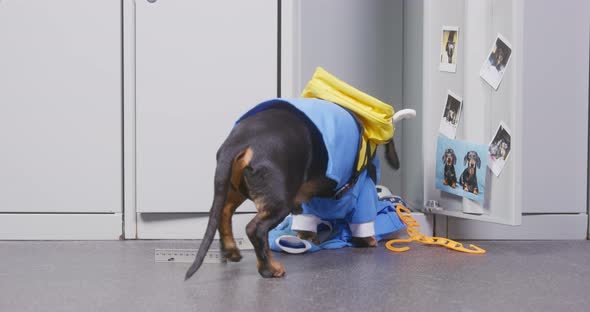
415, 236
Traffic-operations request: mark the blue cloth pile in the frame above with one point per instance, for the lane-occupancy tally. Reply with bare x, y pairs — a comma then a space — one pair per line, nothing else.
334, 234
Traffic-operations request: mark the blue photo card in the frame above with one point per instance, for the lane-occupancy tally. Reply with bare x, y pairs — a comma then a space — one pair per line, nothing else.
461, 168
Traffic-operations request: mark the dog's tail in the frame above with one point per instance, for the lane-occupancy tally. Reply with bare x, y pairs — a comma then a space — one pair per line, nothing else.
221, 184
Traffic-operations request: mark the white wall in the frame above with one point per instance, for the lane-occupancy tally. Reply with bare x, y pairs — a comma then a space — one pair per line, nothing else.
556, 105
361, 42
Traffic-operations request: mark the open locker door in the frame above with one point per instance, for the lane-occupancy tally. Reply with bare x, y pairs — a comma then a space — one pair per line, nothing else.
529, 191
483, 109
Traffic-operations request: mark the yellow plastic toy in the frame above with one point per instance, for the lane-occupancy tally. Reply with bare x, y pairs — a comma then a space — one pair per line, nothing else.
415, 236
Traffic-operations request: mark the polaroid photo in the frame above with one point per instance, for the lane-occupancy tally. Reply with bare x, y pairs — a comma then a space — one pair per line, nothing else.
493, 68
451, 115
448, 49
461, 168
499, 149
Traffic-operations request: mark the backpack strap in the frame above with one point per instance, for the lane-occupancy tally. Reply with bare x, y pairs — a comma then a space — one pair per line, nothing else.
362, 162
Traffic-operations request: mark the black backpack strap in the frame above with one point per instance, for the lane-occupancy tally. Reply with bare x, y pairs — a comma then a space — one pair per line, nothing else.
368, 164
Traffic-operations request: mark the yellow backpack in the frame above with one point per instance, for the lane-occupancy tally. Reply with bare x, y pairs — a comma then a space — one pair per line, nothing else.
375, 115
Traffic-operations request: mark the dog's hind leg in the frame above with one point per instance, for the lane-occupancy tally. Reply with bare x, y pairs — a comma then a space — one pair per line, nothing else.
268, 189
233, 200
228, 243
257, 231
268, 217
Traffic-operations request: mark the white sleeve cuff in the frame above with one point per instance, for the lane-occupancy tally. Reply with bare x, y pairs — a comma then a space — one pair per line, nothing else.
362, 229
305, 222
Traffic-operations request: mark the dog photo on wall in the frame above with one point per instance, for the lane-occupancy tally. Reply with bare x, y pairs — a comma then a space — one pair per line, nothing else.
451, 115
461, 168
448, 49
495, 65
499, 149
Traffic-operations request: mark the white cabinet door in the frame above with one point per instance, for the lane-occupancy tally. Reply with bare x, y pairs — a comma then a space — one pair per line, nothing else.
60, 106
199, 65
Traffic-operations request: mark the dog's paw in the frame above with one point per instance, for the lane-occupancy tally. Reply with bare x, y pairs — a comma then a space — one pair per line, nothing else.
232, 255
475, 192
445, 182
454, 185
309, 236
364, 241
272, 269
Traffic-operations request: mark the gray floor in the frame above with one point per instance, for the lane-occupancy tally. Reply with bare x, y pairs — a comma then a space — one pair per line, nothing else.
122, 276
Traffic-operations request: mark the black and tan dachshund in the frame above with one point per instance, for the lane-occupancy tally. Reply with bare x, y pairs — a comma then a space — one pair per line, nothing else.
450, 160
276, 159
469, 178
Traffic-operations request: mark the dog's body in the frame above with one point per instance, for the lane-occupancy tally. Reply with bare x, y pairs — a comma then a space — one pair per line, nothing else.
499, 150
277, 159
468, 178
450, 176
503, 150
451, 116
450, 48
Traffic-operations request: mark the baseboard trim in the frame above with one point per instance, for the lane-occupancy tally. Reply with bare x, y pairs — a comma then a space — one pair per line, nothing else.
533, 227
106, 226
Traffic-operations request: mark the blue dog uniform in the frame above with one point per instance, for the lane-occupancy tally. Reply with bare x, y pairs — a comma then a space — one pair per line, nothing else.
341, 134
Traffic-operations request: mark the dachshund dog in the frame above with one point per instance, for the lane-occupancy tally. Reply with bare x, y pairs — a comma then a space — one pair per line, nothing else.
451, 116
499, 150
499, 58
468, 178
277, 159
450, 48
503, 150
450, 160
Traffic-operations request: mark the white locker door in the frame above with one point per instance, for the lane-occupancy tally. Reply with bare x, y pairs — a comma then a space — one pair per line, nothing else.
60, 107
524, 193
554, 90
483, 108
199, 65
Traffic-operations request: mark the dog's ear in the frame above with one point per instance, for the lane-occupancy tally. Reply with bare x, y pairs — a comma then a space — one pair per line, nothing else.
443, 156
454, 158
477, 161
466, 159
391, 155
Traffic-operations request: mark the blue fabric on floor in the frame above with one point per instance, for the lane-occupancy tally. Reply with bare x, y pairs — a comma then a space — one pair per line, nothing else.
386, 222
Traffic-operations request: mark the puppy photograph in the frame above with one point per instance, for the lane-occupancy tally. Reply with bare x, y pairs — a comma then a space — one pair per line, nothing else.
450, 160
468, 178
461, 168
493, 68
499, 149
451, 115
448, 49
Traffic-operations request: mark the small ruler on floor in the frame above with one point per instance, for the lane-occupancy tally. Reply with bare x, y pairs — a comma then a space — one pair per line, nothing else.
188, 255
